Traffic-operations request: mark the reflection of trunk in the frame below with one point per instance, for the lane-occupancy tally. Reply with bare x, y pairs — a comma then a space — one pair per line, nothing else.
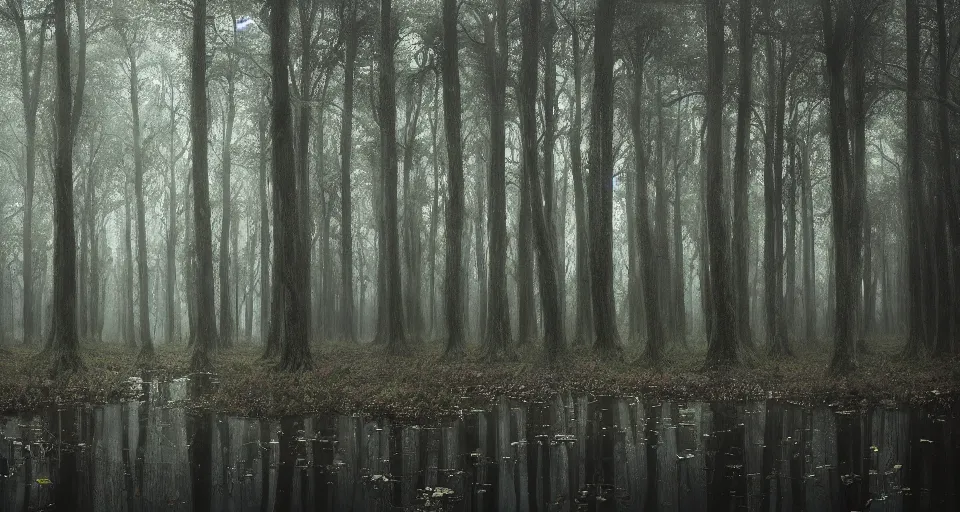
498, 317
607, 341
348, 325
741, 177
226, 220
722, 344
584, 314
206, 330
554, 343
454, 219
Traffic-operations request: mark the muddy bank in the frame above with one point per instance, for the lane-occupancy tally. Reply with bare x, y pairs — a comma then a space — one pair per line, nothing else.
423, 387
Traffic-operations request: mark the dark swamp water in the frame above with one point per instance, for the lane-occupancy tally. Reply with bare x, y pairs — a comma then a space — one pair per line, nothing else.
574, 453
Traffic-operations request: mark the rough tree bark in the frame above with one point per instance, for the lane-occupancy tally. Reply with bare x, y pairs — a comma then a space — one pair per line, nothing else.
294, 347
348, 327
453, 259
205, 327
226, 220
741, 177
607, 341
722, 345
584, 313
554, 343
65, 356
913, 186
841, 179
498, 316
395, 337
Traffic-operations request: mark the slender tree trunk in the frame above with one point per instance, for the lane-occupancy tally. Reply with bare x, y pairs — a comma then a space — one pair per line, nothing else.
348, 324
949, 192
171, 287
226, 287
741, 177
722, 344
129, 318
656, 338
913, 187
206, 328
65, 355
584, 314
395, 335
809, 263
607, 342
30, 80
307, 10
265, 289
680, 308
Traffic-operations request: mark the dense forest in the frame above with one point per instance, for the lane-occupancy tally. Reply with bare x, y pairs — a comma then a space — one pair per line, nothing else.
725, 179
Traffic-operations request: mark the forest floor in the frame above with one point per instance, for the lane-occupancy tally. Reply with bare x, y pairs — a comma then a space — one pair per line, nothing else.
424, 387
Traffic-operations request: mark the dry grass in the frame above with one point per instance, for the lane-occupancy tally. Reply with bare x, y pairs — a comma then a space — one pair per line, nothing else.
424, 387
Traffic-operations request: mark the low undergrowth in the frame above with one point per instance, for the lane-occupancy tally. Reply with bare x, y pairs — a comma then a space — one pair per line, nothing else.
425, 386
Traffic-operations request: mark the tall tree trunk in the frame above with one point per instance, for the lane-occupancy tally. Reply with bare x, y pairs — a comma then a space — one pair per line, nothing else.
348, 324
65, 355
680, 308
129, 318
307, 10
554, 343
498, 316
809, 256
527, 330
293, 262
913, 187
843, 187
550, 130
656, 341
265, 289
226, 221
395, 335
607, 342
30, 80
206, 328
412, 192
171, 287
584, 314
741, 177
722, 346
143, 289
950, 194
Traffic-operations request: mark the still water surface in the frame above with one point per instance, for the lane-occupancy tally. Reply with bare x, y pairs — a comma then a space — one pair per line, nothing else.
573, 453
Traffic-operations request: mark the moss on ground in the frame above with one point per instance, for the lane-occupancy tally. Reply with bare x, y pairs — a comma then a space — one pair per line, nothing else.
425, 387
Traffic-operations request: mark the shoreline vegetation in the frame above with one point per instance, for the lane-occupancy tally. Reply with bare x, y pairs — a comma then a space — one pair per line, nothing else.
425, 388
